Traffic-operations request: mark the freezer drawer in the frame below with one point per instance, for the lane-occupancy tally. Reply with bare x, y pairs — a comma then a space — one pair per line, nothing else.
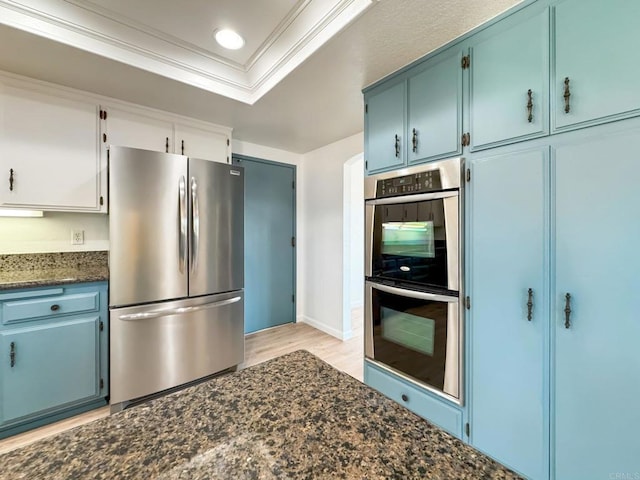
163, 345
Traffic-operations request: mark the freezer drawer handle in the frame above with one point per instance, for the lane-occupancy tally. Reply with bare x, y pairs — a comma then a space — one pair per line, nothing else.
176, 311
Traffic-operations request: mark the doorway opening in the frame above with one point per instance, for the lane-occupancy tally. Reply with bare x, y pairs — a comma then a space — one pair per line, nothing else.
353, 248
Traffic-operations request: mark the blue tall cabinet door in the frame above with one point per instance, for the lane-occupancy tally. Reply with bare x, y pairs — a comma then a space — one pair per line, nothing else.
52, 365
596, 49
509, 253
597, 361
509, 80
269, 228
385, 145
434, 125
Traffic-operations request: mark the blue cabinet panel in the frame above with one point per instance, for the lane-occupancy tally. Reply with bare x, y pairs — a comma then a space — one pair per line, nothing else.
509, 60
54, 365
50, 306
595, 47
597, 365
435, 109
508, 238
385, 145
437, 411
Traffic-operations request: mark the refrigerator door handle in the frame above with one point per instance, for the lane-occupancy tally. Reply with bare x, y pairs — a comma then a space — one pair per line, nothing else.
176, 311
195, 225
182, 242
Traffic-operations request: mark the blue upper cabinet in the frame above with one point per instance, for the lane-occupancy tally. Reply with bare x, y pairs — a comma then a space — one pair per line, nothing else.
385, 114
509, 309
596, 62
509, 78
597, 365
434, 125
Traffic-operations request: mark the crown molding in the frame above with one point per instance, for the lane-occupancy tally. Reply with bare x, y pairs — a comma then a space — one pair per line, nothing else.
89, 27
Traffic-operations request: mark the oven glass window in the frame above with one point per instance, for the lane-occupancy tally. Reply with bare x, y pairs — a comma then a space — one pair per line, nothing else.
410, 336
410, 243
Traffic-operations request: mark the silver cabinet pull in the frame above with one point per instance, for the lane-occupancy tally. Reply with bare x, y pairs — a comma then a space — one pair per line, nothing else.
195, 225
182, 244
530, 305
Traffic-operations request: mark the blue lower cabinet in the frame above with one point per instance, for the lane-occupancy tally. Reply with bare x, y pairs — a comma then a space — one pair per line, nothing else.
438, 411
52, 366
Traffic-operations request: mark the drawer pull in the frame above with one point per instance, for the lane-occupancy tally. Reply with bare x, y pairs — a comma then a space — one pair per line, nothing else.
55, 307
12, 354
404, 397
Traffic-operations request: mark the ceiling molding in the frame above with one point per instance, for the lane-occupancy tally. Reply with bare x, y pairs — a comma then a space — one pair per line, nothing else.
90, 27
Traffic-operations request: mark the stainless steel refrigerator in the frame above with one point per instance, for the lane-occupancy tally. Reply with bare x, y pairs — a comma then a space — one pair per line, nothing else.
176, 300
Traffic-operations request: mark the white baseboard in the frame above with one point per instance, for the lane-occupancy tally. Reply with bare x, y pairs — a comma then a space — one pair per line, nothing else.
334, 332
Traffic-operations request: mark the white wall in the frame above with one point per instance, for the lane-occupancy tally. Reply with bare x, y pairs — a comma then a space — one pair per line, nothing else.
52, 233
356, 234
321, 186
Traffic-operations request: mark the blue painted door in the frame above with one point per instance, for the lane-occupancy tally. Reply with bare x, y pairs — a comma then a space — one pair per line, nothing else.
385, 145
508, 238
434, 107
595, 47
268, 232
53, 365
597, 364
509, 73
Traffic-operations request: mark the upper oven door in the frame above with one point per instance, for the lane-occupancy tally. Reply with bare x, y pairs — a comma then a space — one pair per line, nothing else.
413, 239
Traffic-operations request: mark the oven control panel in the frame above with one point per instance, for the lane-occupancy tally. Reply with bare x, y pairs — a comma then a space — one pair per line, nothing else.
422, 182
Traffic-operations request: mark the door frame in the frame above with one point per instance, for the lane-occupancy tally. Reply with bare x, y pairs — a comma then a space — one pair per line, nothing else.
294, 251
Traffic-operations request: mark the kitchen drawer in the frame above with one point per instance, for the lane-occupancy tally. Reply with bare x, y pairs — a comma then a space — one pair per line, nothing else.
417, 400
38, 307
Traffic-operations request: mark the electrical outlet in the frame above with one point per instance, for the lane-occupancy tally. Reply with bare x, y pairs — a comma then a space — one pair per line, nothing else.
77, 237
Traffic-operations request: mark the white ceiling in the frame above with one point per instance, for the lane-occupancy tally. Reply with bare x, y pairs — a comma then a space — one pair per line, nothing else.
316, 103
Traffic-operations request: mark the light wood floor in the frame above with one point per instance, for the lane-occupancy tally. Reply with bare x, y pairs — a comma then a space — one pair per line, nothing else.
259, 347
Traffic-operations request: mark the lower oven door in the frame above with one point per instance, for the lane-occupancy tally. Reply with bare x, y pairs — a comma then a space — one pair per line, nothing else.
416, 334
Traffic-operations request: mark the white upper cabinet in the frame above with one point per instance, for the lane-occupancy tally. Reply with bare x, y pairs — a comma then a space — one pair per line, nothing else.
126, 128
49, 151
207, 144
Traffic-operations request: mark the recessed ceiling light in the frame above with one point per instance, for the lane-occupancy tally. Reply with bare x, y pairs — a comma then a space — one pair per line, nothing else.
229, 39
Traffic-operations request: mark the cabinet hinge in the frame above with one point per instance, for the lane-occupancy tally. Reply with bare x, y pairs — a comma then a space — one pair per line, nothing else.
366, 108
466, 139
101, 383
467, 302
100, 113
466, 62
228, 160
104, 115
468, 175
293, 185
293, 298
293, 241
101, 326
228, 142
366, 165
467, 429
104, 138
101, 200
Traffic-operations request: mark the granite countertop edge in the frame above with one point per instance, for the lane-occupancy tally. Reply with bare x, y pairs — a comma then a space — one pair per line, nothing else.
51, 282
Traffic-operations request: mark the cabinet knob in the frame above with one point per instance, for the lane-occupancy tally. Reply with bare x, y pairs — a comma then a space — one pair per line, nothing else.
405, 397
55, 307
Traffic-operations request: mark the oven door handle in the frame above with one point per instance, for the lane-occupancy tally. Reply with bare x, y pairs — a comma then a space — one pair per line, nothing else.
421, 197
412, 293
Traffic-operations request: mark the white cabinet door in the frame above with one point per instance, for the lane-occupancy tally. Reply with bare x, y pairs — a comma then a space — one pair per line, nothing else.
49, 151
197, 142
123, 128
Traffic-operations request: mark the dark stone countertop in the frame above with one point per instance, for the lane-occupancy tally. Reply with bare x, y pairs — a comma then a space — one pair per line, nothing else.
47, 269
294, 417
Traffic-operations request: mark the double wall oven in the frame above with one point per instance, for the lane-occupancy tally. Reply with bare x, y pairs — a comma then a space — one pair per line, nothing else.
413, 270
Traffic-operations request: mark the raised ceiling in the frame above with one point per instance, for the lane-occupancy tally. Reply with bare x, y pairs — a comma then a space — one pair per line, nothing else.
316, 103
175, 38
